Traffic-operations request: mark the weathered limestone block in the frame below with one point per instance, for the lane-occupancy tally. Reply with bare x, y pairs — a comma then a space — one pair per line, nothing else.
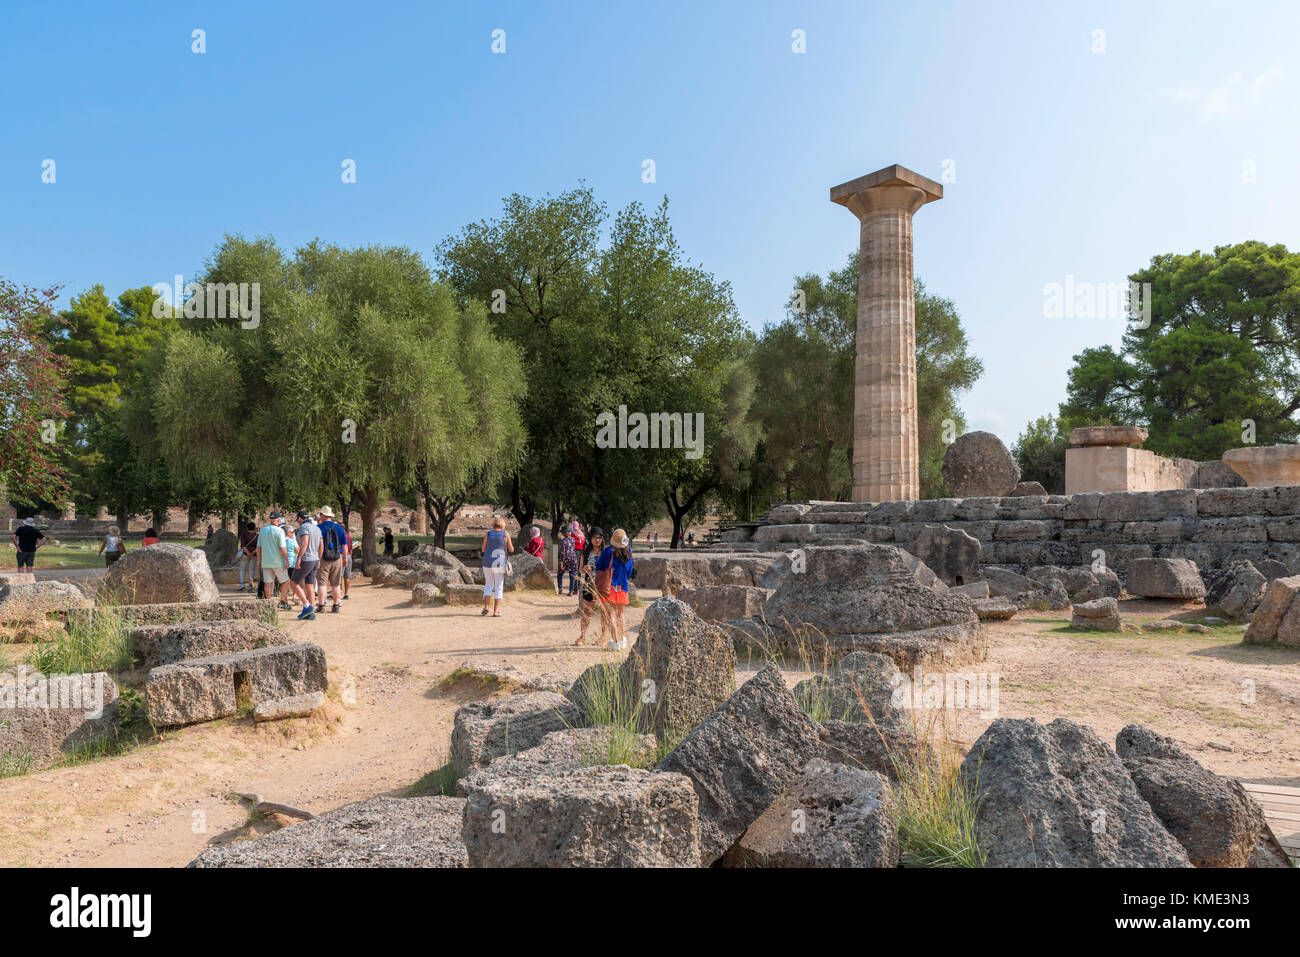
21, 603
156, 645
295, 706
173, 613
46, 717
952, 554
1277, 619
1212, 817
205, 689
689, 663
743, 757
1165, 578
1058, 796
162, 573
484, 730
378, 832
1100, 614
978, 464
831, 816
591, 817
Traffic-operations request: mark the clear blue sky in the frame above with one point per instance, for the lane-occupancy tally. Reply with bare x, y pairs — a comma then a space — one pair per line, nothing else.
1067, 161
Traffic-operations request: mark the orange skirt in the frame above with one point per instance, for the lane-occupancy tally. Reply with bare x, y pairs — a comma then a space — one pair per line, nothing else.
617, 596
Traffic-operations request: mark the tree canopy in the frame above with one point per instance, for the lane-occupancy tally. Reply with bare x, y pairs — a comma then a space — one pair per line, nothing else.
1222, 347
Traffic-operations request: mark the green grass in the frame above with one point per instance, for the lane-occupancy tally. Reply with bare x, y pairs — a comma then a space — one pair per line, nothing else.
619, 707
440, 781
85, 553
934, 809
98, 642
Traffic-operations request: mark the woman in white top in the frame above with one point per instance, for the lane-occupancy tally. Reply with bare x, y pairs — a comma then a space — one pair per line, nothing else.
112, 547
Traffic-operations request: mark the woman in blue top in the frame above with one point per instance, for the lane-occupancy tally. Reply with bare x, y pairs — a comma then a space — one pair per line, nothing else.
617, 560
496, 548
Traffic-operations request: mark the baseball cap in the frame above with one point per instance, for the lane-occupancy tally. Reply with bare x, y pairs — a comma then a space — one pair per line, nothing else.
302, 514
274, 514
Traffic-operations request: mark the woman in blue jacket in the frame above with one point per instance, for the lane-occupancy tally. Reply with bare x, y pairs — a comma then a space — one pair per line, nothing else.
617, 559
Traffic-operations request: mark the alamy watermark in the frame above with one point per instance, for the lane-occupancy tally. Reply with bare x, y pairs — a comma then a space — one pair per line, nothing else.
658, 430
948, 689
210, 300
29, 690
1098, 300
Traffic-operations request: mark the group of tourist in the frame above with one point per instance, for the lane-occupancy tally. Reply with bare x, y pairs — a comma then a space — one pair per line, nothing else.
599, 573
313, 561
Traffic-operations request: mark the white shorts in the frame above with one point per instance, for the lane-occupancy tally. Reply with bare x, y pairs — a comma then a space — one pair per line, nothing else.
494, 581
277, 575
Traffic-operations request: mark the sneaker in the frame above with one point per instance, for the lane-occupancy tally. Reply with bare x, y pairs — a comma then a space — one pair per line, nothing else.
312, 616
307, 612
346, 597
335, 609
284, 606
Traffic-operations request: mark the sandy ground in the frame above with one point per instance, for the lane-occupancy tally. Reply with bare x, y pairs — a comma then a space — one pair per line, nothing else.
161, 804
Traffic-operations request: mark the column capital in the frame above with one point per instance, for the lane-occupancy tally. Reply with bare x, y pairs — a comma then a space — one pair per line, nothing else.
891, 188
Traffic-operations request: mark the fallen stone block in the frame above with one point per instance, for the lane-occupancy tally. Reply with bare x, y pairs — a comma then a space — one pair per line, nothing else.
227, 609
1165, 578
743, 757
205, 689
1277, 619
831, 816
509, 676
1212, 817
484, 730
1058, 796
972, 590
1100, 614
297, 706
34, 602
952, 554
463, 594
379, 832
161, 573
424, 594
43, 718
156, 645
1236, 591
680, 669
590, 817
566, 750
994, 609
722, 602
871, 598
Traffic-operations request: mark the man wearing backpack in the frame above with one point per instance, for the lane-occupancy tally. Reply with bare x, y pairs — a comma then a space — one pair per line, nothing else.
333, 551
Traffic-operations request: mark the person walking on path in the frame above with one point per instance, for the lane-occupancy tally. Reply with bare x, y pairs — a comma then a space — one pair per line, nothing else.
303, 578
247, 556
27, 538
590, 593
334, 548
272, 552
615, 563
568, 563
112, 547
496, 549
388, 541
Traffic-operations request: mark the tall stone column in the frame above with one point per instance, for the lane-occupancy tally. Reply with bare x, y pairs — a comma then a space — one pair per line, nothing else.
886, 461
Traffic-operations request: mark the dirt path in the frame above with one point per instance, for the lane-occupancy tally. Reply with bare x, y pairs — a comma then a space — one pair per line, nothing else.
160, 805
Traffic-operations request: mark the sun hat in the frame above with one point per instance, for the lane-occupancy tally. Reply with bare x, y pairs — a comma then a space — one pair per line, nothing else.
327, 511
594, 531
619, 538
29, 521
